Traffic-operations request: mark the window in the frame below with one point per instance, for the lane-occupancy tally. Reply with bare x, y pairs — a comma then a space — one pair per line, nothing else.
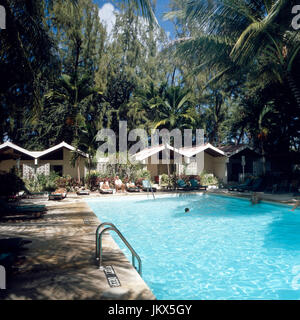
57, 169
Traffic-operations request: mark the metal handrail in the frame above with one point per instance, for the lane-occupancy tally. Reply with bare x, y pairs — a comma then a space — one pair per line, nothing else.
97, 235
151, 190
99, 250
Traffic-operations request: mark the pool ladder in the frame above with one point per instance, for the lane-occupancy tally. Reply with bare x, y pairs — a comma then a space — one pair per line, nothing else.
151, 190
106, 226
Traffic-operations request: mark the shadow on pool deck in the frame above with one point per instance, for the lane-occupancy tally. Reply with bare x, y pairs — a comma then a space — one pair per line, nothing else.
60, 261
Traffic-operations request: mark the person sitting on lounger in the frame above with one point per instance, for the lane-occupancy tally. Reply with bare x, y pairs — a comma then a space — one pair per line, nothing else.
131, 187
119, 184
130, 184
105, 188
106, 185
58, 194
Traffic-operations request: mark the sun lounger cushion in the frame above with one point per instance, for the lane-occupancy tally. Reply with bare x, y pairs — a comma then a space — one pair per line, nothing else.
83, 193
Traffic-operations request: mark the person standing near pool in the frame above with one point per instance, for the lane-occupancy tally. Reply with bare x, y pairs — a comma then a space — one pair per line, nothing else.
255, 198
296, 205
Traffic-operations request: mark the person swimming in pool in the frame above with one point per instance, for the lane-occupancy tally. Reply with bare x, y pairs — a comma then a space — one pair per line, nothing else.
186, 210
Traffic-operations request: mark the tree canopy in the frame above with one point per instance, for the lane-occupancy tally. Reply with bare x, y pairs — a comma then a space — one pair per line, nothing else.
231, 70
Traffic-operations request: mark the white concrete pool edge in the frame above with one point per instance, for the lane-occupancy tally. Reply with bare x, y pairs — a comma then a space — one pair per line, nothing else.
247, 197
142, 197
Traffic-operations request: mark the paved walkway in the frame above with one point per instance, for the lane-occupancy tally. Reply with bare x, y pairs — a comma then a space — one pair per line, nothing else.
60, 261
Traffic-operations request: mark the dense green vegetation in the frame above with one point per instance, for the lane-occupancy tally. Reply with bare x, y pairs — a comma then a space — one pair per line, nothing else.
232, 71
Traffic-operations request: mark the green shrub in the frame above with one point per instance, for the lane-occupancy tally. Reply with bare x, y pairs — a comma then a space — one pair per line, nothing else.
145, 174
208, 179
42, 183
165, 180
93, 179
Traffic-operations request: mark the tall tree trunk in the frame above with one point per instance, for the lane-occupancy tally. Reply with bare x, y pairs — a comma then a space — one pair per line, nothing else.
263, 158
78, 170
173, 77
241, 135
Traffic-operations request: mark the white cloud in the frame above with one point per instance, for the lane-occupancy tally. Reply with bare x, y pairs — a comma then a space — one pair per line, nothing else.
107, 16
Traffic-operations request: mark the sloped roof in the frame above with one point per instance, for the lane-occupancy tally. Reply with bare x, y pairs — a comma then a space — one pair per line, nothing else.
192, 151
16, 148
149, 152
231, 150
186, 151
39, 154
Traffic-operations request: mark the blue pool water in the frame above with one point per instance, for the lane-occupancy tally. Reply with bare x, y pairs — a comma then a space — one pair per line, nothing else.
224, 248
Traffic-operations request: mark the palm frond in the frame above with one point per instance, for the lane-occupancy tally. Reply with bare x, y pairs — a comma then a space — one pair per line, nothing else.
144, 7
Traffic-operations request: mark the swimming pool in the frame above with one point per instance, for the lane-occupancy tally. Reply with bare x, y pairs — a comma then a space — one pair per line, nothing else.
224, 248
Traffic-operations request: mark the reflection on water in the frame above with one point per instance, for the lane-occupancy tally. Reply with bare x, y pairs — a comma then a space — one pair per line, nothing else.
222, 249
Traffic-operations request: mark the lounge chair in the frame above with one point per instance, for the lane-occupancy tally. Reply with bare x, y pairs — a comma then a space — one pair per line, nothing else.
256, 186
247, 183
132, 188
181, 185
147, 186
83, 192
55, 196
196, 186
105, 191
59, 194
35, 195
7, 208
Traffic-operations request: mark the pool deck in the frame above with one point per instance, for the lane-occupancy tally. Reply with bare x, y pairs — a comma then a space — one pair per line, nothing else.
60, 261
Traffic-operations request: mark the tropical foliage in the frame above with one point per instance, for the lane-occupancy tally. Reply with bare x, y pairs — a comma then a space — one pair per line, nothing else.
231, 70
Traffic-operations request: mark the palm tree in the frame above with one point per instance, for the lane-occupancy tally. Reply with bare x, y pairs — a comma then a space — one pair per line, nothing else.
145, 7
74, 96
263, 134
232, 34
140, 113
173, 109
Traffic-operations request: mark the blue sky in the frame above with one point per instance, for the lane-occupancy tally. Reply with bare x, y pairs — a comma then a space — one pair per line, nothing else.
161, 8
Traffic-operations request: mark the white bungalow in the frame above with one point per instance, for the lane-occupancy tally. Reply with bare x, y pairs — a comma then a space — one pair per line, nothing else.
193, 160
30, 163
